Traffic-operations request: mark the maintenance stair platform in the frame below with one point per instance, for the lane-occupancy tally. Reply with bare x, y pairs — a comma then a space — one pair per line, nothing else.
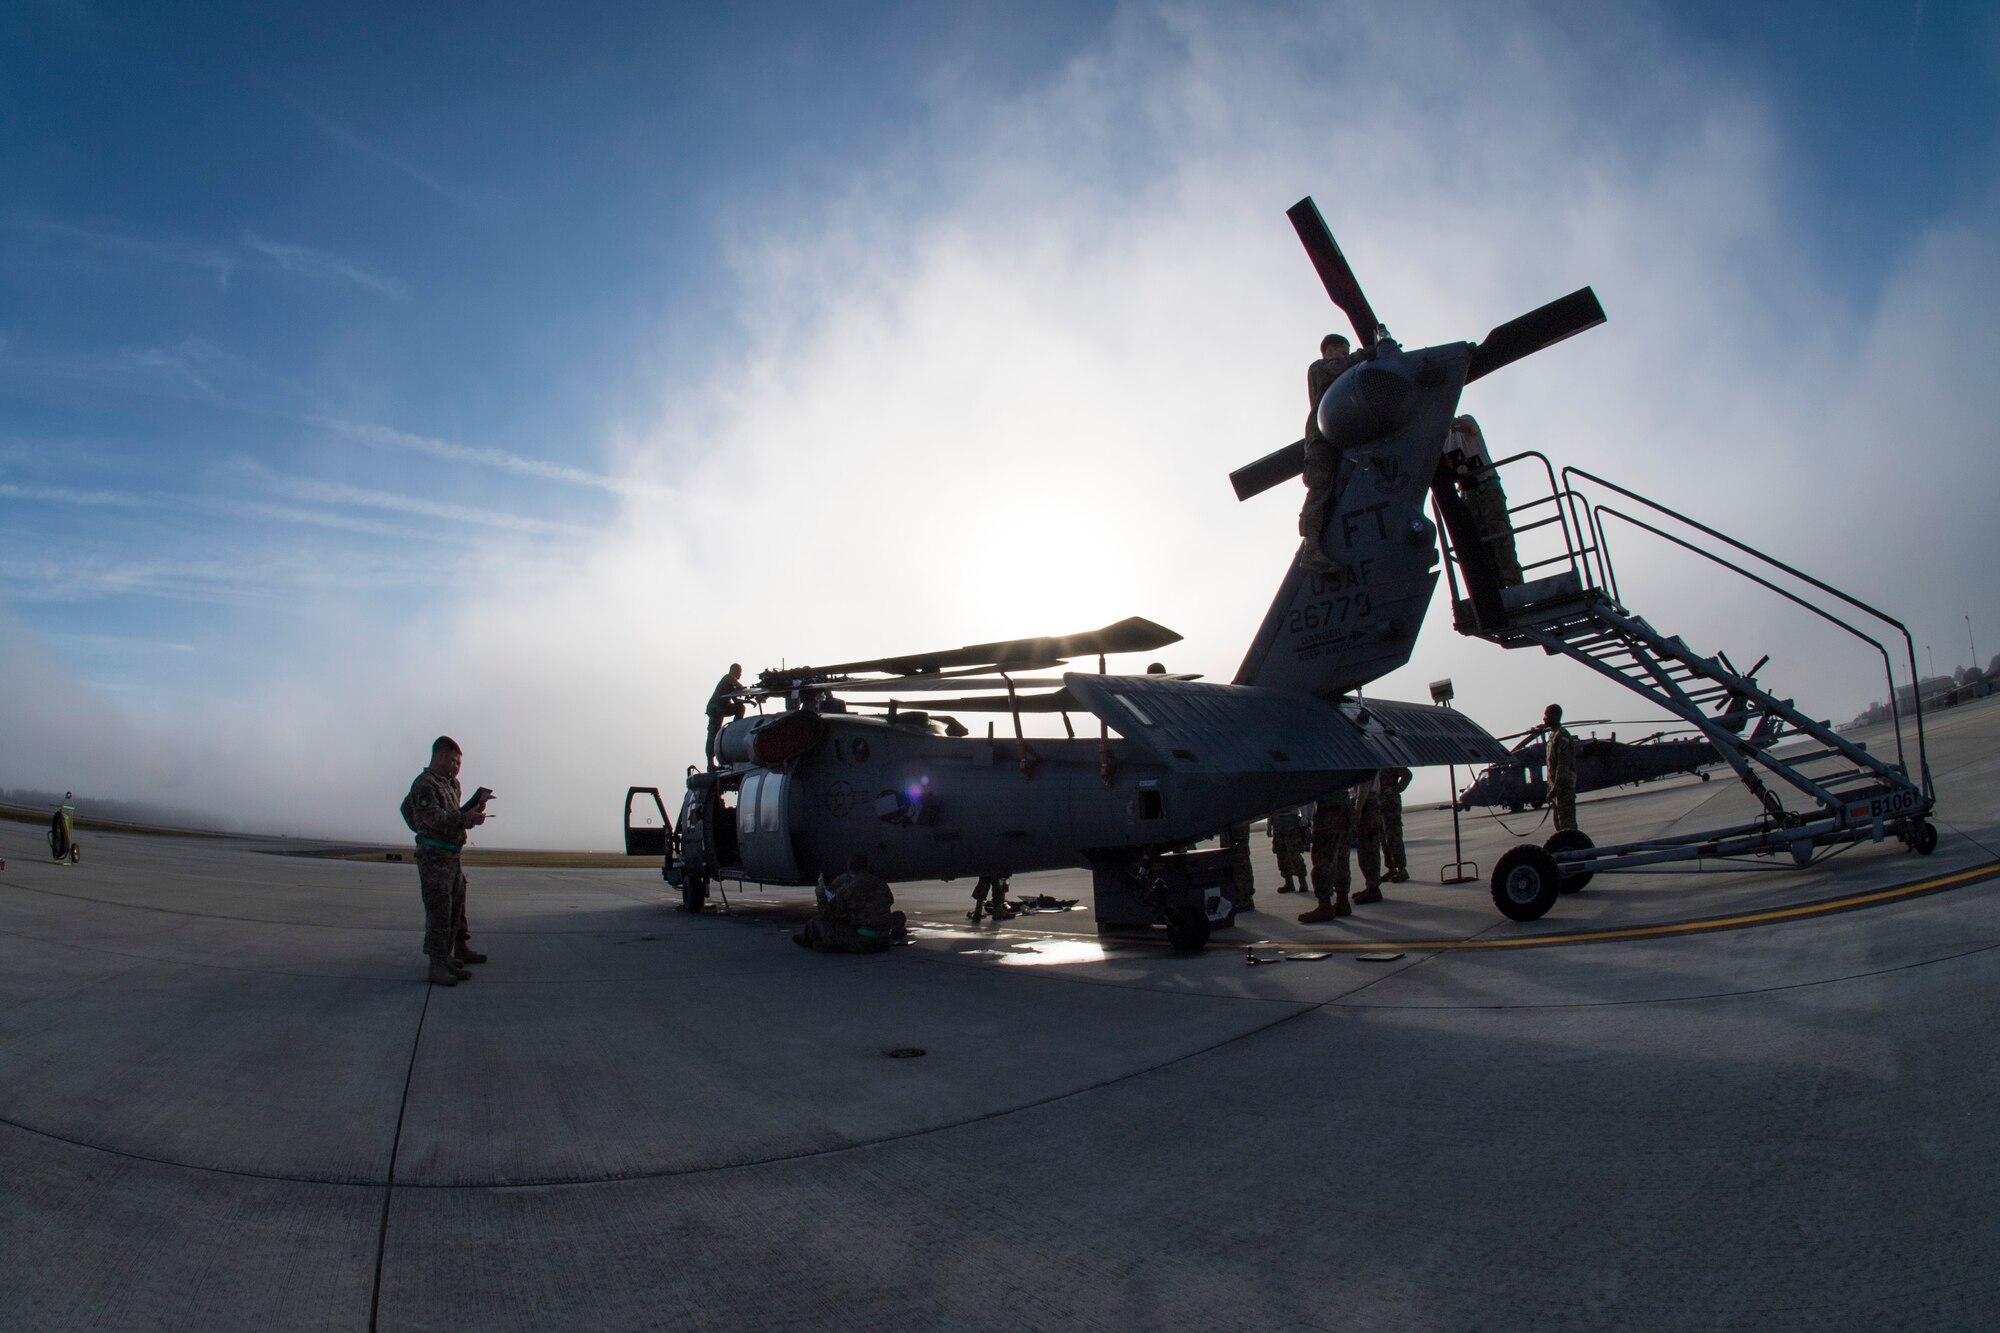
1817, 795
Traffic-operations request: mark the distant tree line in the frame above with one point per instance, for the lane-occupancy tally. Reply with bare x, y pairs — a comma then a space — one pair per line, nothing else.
1940, 691
124, 812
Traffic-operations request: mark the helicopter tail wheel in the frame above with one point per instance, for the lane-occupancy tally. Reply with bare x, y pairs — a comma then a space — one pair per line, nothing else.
694, 893
1526, 883
1570, 840
1187, 928
76, 852
1925, 840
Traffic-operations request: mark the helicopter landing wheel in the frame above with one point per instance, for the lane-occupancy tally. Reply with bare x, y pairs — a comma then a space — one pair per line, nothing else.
76, 852
1925, 838
1187, 928
1526, 883
1570, 840
694, 893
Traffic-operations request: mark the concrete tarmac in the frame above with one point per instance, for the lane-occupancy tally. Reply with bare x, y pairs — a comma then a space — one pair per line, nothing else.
228, 1099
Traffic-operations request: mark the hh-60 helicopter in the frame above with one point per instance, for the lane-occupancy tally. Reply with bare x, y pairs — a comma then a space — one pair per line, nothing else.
1175, 759
1601, 762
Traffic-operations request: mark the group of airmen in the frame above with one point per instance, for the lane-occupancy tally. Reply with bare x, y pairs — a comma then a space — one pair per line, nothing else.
1367, 817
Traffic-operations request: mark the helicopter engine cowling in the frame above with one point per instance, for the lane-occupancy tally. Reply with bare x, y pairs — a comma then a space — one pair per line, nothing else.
1370, 400
769, 739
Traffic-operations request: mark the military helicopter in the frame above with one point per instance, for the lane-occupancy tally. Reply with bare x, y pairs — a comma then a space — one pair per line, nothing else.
845, 764
1601, 762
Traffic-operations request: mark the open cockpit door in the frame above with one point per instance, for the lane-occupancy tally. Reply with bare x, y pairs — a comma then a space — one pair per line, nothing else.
646, 837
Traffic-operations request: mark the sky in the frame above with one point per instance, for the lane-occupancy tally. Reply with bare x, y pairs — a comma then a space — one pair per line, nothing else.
508, 371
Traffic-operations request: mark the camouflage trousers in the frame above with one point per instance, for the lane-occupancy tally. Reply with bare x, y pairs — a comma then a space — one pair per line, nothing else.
844, 937
1322, 477
1334, 827
442, 880
1289, 846
1394, 859
1562, 805
1489, 511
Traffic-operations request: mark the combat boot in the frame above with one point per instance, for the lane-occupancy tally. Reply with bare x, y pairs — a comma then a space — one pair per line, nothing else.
441, 973
1341, 906
465, 953
458, 969
1286, 887
1371, 894
1325, 911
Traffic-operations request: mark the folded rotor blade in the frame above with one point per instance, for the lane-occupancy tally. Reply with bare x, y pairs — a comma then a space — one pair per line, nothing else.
1133, 635
1546, 326
1332, 268
1270, 470
1055, 701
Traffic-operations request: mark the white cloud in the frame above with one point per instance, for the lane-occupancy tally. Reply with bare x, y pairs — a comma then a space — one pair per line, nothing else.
68, 495
310, 263
335, 492
499, 460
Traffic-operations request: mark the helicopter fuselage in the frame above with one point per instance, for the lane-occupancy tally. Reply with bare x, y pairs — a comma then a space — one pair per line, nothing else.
921, 805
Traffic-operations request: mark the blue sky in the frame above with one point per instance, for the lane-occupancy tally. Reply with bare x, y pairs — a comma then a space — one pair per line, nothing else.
510, 371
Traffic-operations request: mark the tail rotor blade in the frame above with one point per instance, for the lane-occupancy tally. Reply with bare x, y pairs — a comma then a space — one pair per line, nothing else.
1333, 270
1562, 318
1270, 470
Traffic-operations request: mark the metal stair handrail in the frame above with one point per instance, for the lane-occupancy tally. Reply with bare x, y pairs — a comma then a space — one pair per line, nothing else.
1597, 512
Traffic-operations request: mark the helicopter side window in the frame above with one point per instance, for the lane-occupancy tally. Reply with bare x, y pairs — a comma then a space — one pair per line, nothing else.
727, 850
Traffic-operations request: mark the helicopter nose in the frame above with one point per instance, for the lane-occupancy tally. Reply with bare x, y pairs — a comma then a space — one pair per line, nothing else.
1372, 399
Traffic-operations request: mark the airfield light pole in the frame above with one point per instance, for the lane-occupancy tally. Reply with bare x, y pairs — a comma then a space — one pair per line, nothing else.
1441, 694
1970, 646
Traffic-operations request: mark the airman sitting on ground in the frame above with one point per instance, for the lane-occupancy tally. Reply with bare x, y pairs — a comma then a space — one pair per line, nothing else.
857, 916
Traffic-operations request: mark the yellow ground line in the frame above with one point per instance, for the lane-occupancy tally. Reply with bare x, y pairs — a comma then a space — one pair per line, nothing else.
1766, 917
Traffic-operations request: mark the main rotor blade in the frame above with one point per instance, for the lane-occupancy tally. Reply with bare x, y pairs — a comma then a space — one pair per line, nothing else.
1054, 701
1545, 326
946, 681
1270, 470
1332, 267
1135, 634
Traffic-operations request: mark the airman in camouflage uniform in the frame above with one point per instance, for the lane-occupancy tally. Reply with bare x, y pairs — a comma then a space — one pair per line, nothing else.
1288, 844
1560, 759
1322, 469
1393, 782
1480, 486
989, 898
1237, 839
433, 812
1368, 836
723, 706
1335, 825
858, 915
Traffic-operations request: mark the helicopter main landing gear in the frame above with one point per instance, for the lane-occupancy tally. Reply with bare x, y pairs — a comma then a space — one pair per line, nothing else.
1190, 893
